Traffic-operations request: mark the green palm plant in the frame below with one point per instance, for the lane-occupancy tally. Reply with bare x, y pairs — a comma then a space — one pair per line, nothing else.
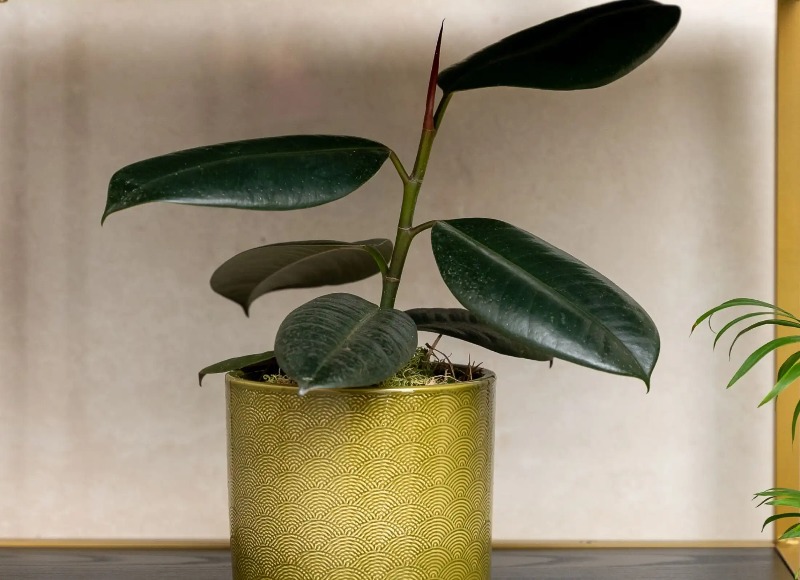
766, 314
521, 295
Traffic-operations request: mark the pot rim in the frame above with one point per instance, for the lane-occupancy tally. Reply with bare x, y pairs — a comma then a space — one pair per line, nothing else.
487, 378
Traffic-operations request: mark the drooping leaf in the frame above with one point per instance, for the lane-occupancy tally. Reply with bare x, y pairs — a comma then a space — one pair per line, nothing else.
775, 494
537, 294
464, 325
246, 363
795, 416
734, 322
741, 302
760, 353
777, 517
582, 50
791, 532
307, 264
277, 173
787, 379
773, 322
788, 363
341, 340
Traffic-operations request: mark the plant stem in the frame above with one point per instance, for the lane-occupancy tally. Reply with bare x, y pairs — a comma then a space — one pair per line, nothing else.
437, 117
405, 233
422, 227
398, 165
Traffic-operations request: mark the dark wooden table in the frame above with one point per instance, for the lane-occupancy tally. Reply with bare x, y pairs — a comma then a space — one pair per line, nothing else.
590, 564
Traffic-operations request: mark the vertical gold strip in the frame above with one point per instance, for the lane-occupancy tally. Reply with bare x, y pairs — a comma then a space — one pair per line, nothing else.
787, 227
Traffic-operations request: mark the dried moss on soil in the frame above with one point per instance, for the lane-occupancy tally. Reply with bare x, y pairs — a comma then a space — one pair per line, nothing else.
424, 368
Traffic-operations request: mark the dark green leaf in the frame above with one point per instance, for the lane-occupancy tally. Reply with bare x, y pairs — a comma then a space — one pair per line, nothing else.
278, 173
464, 325
538, 295
341, 340
582, 50
246, 363
307, 264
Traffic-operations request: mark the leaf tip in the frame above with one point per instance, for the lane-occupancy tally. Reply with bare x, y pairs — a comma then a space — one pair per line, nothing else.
200, 377
429, 123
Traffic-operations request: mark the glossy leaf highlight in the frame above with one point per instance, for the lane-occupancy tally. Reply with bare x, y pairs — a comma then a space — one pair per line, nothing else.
583, 50
306, 264
538, 295
277, 173
341, 340
464, 325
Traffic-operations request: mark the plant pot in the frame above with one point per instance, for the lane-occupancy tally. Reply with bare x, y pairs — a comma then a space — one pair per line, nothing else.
353, 484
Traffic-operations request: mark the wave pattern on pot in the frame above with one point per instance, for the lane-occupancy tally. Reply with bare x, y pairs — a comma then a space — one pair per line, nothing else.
361, 484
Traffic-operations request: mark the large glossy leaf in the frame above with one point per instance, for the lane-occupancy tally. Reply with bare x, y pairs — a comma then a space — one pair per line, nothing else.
537, 294
306, 264
247, 362
464, 325
582, 50
341, 340
278, 173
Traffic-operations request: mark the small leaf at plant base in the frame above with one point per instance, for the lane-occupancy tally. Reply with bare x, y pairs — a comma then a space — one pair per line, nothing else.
277, 173
537, 294
582, 50
464, 325
307, 264
341, 340
236, 364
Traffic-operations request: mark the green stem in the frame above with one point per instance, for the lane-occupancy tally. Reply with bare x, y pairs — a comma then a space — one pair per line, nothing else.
422, 227
405, 233
437, 117
398, 165
379, 260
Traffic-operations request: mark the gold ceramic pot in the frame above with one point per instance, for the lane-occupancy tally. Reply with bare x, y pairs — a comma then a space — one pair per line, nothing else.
357, 484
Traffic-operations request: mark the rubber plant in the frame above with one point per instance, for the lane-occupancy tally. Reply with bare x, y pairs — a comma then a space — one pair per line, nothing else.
761, 314
521, 295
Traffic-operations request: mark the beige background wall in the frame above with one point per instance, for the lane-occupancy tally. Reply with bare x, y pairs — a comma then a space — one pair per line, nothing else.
662, 181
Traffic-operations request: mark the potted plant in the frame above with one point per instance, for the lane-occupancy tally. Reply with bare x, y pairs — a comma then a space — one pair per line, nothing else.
335, 472
766, 314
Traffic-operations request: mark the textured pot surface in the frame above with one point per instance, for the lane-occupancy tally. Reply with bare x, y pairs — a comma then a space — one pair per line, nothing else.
360, 484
